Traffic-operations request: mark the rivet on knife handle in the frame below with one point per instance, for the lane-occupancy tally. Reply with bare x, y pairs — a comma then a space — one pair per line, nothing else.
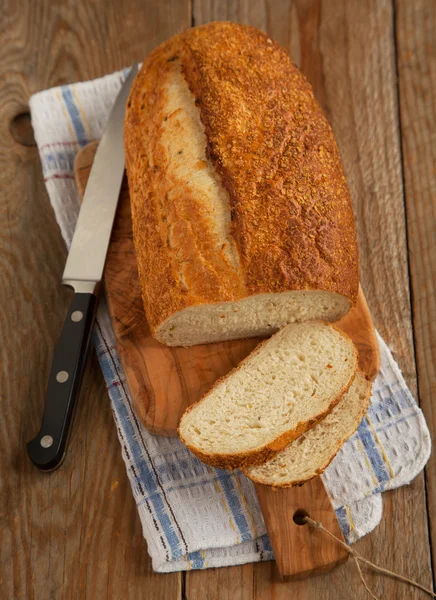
47, 449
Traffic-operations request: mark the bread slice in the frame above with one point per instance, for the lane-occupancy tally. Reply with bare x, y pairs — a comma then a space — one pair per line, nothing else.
255, 316
313, 451
288, 384
241, 214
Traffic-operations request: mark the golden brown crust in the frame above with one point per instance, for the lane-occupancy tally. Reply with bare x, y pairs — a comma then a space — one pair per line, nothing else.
275, 152
320, 470
239, 460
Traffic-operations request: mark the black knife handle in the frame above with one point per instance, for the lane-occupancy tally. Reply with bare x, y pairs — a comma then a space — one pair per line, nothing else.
47, 449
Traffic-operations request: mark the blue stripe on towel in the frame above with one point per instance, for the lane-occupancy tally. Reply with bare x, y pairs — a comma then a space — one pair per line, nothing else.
388, 403
56, 161
265, 544
75, 117
196, 558
373, 452
341, 515
233, 498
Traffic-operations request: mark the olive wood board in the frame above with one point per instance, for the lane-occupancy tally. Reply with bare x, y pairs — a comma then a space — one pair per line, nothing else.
164, 381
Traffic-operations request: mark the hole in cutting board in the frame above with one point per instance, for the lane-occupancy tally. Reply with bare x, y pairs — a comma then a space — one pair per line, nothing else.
299, 516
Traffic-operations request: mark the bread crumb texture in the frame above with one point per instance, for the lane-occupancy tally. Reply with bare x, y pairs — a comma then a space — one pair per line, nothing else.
312, 452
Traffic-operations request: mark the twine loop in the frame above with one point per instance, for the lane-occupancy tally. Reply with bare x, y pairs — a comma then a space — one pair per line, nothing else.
358, 558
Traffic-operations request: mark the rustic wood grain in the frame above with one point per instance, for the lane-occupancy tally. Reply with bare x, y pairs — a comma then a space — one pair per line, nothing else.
416, 44
74, 533
227, 583
347, 51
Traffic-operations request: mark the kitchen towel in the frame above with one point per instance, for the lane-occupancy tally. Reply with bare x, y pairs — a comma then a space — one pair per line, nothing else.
194, 516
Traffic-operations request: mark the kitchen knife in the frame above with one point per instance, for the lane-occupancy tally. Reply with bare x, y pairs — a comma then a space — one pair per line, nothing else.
83, 272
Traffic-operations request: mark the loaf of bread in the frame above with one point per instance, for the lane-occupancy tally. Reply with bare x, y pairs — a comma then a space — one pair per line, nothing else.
287, 385
241, 214
311, 453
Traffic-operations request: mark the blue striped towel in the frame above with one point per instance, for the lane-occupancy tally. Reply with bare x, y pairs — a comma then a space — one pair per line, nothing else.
194, 516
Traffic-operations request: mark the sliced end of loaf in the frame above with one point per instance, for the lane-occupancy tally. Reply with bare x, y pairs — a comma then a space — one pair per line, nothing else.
255, 316
288, 384
311, 453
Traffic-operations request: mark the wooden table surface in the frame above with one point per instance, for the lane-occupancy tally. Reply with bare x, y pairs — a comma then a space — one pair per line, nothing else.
75, 533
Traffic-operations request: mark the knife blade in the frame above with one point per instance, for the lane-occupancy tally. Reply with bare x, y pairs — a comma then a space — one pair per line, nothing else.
83, 272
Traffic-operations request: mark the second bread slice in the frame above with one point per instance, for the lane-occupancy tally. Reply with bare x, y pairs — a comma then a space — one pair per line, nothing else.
288, 384
312, 452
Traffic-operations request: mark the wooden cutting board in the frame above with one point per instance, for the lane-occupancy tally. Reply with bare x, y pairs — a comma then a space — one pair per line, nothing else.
164, 381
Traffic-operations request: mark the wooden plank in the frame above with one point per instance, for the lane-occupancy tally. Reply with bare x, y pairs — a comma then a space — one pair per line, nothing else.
416, 45
74, 533
347, 51
227, 583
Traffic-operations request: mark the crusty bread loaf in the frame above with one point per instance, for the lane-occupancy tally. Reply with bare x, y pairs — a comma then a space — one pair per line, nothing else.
241, 214
289, 383
311, 453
